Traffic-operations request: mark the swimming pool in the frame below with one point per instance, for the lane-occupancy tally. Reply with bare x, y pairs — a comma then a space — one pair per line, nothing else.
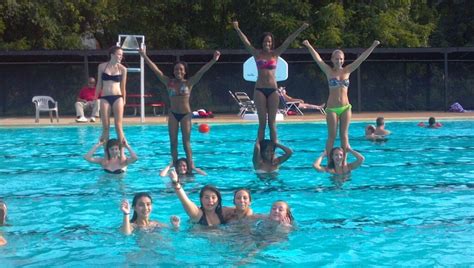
410, 204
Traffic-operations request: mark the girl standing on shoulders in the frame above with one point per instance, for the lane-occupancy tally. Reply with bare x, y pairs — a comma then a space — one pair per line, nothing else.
265, 94
338, 107
179, 91
112, 79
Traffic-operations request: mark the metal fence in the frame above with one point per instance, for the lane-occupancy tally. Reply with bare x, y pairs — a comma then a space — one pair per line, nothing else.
390, 80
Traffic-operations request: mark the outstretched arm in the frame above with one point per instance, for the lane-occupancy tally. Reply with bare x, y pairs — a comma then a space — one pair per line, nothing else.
317, 58
191, 209
317, 162
163, 78
245, 40
89, 156
353, 66
360, 159
285, 156
290, 39
195, 79
200, 171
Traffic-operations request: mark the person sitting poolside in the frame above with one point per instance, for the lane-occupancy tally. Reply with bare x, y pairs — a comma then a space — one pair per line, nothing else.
87, 100
299, 102
211, 212
264, 160
337, 161
431, 123
116, 161
3, 220
380, 129
181, 167
142, 205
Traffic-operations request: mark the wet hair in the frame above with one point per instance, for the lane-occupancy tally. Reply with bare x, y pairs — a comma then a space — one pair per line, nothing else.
371, 128
112, 50
185, 67
263, 146
111, 143
331, 163
288, 210
431, 121
183, 159
262, 37
245, 190
214, 190
135, 200
379, 121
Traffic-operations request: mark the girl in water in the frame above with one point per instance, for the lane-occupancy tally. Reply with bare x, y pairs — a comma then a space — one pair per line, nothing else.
112, 79
337, 161
116, 161
338, 107
181, 168
265, 94
264, 160
179, 90
142, 206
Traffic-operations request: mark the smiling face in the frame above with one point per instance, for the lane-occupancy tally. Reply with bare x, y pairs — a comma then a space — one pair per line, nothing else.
279, 211
267, 43
242, 200
143, 207
209, 200
181, 167
338, 156
337, 59
114, 151
117, 55
179, 71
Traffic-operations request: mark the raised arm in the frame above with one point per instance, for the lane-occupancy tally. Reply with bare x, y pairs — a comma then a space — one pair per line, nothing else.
164, 171
163, 78
195, 79
191, 209
290, 39
89, 156
245, 40
317, 162
317, 58
286, 155
126, 226
199, 171
360, 159
353, 66
133, 156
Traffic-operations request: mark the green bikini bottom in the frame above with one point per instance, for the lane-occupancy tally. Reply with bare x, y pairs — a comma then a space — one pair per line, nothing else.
339, 110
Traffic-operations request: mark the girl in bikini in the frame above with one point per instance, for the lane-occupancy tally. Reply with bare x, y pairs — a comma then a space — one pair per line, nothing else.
338, 106
112, 79
115, 161
265, 94
179, 91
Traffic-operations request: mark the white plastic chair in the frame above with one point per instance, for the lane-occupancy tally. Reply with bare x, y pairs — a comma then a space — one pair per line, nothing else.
42, 105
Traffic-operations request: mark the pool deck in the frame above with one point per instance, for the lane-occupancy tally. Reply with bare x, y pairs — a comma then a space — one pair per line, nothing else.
233, 118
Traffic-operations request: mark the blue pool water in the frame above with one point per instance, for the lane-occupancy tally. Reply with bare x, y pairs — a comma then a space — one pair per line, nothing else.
410, 204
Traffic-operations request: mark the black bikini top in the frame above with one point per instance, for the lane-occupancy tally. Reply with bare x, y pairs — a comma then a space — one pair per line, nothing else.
117, 171
108, 77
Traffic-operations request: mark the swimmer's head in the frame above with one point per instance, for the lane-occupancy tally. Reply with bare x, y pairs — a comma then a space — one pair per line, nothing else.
242, 199
431, 122
380, 121
337, 58
142, 206
267, 150
280, 210
337, 157
181, 166
113, 148
180, 70
369, 130
267, 41
210, 197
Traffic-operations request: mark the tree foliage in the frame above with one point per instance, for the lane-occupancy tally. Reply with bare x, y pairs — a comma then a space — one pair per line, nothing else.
206, 24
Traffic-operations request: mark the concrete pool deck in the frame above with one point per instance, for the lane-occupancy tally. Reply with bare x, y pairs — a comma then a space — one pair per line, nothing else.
29, 121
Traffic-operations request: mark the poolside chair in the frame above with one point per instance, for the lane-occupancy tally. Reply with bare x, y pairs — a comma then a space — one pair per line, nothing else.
42, 105
245, 103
